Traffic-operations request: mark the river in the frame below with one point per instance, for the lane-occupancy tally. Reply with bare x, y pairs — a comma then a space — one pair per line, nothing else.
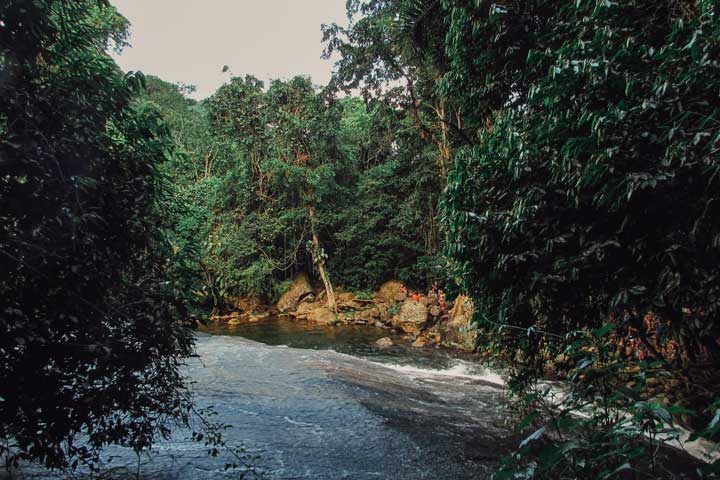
309, 402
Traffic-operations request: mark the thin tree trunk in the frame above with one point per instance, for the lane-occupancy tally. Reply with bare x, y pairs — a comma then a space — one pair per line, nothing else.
443, 142
320, 262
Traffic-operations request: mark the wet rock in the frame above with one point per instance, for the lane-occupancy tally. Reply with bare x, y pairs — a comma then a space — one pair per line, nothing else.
435, 311
348, 301
383, 313
379, 324
384, 342
236, 318
258, 317
456, 332
391, 292
433, 335
420, 342
304, 308
233, 318
411, 317
319, 315
368, 315
299, 291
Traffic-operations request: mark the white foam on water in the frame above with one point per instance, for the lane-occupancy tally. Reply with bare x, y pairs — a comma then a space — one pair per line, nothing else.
301, 424
460, 370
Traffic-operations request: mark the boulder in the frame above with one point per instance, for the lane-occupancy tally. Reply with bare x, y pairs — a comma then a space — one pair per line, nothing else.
258, 317
317, 314
420, 342
391, 292
384, 342
432, 335
237, 319
299, 290
367, 315
383, 313
348, 301
411, 317
304, 308
455, 333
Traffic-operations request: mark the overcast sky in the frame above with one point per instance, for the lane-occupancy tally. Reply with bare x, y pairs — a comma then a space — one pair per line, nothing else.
189, 41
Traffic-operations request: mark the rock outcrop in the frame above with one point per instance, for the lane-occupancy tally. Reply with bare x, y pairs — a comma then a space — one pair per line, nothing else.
348, 301
258, 316
422, 317
457, 332
421, 342
240, 317
233, 319
312, 312
411, 317
384, 342
300, 290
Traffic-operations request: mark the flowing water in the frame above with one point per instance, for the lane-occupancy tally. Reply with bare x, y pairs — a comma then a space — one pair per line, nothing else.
312, 402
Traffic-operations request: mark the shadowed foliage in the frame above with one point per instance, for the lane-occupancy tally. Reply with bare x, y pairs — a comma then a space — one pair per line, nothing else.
89, 343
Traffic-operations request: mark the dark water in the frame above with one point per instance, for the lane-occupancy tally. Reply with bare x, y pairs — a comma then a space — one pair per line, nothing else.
284, 331
358, 341
321, 403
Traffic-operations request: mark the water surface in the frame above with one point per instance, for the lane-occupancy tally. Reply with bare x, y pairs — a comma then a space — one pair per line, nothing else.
323, 403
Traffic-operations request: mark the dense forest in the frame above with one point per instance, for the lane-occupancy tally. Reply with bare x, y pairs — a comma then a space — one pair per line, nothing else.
287, 178
555, 163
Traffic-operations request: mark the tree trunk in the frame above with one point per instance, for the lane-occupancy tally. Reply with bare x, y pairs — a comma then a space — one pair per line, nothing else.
320, 262
443, 142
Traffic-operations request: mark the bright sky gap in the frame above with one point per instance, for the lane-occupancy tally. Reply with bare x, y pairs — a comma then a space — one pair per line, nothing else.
189, 41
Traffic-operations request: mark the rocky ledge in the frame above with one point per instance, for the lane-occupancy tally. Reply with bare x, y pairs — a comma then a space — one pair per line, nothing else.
425, 319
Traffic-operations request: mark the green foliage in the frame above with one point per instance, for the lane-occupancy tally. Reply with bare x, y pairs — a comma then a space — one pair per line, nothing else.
388, 225
599, 424
589, 191
251, 162
594, 187
91, 346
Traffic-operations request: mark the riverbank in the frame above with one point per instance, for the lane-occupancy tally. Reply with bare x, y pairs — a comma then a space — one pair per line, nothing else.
422, 320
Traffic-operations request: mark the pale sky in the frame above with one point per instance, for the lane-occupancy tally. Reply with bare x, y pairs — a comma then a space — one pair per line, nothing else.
189, 41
